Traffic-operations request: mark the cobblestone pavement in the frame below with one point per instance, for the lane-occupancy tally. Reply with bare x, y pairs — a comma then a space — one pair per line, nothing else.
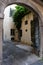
13, 55
38, 63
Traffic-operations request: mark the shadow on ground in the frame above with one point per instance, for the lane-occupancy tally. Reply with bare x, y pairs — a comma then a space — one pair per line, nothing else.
13, 54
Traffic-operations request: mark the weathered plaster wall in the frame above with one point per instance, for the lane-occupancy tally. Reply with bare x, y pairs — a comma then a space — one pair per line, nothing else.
8, 24
26, 35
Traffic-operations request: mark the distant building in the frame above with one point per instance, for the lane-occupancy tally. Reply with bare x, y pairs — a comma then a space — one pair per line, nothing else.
26, 28
11, 33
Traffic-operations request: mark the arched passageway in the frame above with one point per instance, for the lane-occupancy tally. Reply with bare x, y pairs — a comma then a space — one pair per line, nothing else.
32, 6
35, 38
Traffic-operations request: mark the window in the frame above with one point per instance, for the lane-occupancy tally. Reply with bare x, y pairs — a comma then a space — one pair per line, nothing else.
20, 33
26, 30
11, 12
26, 22
12, 38
12, 31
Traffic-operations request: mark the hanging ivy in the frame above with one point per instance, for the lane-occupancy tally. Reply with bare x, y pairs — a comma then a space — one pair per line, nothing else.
18, 14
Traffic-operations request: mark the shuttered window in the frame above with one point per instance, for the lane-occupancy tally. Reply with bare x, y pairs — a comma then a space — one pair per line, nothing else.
12, 31
26, 22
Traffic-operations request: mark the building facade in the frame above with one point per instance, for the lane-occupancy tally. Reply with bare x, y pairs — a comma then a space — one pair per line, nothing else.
10, 32
26, 29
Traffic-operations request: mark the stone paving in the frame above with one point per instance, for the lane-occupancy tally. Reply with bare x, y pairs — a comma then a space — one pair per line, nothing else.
13, 55
38, 63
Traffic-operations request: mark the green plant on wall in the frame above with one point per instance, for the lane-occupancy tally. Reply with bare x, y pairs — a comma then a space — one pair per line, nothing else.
18, 14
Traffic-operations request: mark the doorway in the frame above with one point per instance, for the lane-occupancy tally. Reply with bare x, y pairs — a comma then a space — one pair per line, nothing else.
35, 35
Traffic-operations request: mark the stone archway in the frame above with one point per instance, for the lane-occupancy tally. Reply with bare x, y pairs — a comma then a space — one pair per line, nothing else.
37, 8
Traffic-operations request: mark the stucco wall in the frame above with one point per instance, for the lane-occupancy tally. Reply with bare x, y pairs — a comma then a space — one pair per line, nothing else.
26, 36
8, 24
